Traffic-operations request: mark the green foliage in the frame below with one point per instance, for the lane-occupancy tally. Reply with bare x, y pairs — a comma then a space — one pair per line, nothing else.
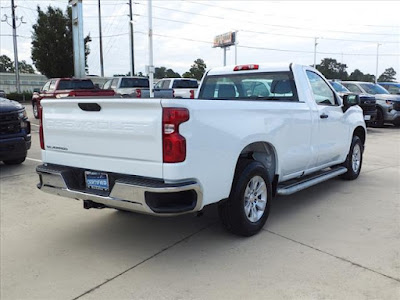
20, 97
52, 48
388, 76
163, 72
332, 69
7, 65
197, 70
357, 75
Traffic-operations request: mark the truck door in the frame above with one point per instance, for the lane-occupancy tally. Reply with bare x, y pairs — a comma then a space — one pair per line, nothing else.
331, 139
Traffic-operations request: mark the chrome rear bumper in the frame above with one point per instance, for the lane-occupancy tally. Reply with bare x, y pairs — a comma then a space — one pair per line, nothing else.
132, 193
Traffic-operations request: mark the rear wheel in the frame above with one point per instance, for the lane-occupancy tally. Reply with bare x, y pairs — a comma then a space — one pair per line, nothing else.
247, 209
35, 110
16, 161
353, 162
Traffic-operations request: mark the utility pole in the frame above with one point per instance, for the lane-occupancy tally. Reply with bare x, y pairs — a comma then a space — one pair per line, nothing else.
131, 39
14, 27
377, 60
315, 51
150, 66
101, 44
77, 38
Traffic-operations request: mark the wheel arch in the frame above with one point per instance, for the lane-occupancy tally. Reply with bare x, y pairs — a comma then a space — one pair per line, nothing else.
266, 154
360, 132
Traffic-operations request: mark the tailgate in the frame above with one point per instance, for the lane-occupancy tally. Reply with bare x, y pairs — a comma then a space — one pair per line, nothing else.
124, 136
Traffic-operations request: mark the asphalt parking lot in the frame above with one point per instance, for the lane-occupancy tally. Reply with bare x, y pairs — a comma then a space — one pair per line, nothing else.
337, 240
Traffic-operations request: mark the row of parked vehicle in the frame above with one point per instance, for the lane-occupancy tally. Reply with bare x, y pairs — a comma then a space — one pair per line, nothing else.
380, 102
132, 87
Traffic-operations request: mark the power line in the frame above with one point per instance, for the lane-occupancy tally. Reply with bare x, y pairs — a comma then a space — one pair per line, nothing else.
271, 33
272, 25
290, 17
265, 48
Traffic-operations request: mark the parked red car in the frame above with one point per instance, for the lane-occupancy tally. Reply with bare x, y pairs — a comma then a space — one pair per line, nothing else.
66, 87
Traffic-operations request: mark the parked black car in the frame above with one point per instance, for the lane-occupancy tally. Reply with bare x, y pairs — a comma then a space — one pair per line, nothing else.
15, 132
367, 102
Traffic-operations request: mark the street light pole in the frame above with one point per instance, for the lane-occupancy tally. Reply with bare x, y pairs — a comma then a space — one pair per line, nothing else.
377, 60
14, 27
101, 44
315, 51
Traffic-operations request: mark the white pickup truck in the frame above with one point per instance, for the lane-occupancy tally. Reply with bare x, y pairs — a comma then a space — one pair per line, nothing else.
253, 132
183, 87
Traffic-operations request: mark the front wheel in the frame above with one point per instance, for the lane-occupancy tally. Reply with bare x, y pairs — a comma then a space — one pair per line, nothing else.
16, 161
247, 209
354, 159
379, 121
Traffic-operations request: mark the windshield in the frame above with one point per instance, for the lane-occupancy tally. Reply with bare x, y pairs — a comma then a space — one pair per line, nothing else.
249, 86
134, 82
75, 85
338, 87
373, 89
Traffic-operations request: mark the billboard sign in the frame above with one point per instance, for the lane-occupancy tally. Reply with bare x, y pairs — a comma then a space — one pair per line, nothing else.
225, 40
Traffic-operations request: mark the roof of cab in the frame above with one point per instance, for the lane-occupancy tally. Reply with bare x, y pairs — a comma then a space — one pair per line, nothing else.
262, 67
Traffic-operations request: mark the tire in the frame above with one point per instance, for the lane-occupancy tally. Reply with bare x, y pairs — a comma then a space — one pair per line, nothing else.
35, 110
246, 210
379, 121
16, 161
353, 161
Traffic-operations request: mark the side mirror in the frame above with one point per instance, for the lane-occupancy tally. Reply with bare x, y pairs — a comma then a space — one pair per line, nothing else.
350, 100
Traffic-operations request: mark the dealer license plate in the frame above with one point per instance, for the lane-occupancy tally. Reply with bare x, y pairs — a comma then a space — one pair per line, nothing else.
96, 180
367, 117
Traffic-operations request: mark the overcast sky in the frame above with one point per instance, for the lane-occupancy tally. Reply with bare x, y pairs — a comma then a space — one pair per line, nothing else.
268, 31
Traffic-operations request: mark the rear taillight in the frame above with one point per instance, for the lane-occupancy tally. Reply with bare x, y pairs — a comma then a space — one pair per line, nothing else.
174, 144
191, 94
72, 94
41, 136
138, 93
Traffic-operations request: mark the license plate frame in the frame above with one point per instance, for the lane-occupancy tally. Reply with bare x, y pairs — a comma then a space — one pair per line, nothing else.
97, 181
367, 118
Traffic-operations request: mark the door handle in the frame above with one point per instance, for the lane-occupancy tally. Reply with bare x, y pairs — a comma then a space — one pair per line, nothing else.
324, 116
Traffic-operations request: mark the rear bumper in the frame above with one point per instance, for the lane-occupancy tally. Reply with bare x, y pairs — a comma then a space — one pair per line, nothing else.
14, 148
132, 193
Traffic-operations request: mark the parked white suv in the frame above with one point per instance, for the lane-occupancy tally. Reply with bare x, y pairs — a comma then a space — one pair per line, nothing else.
183, 87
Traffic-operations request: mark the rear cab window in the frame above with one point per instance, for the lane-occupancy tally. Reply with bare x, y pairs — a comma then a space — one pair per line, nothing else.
134, 83
274, 86
185, 84
75, 85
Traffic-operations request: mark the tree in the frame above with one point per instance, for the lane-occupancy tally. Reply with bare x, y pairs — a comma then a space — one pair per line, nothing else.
6, 64
159, 73
52, 49
332, 69
24, 67
357, 75
163, 72
388, 75
197, 70
172, 74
